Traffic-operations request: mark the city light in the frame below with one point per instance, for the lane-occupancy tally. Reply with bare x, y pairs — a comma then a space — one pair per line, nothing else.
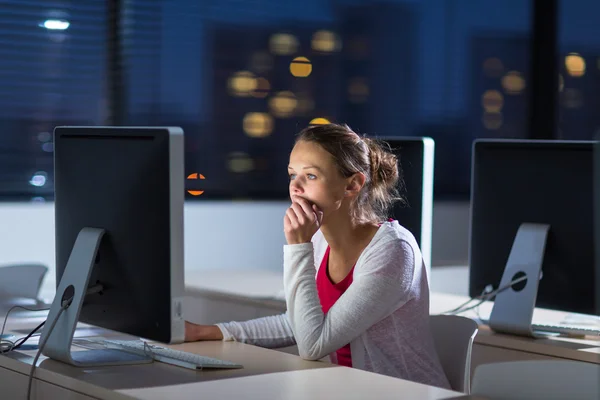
283, 44
257, 124
301, 67
319, 121
240, 162
262, 88
575, 65
283, 104
242, 83
38, 179
55, 24
513, 82
325, 41
492, 101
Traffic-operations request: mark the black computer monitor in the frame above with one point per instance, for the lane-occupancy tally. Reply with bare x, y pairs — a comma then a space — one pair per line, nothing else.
542, 182
416, 162
119, 196
597, 217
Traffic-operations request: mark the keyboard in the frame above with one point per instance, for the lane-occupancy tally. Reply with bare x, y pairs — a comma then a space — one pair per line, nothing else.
169, 356
567, 330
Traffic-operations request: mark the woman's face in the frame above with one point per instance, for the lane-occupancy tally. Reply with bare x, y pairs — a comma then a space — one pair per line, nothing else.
315, 177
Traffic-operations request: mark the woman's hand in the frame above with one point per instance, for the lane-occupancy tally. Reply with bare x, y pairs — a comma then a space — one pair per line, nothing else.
195, 332
301, 221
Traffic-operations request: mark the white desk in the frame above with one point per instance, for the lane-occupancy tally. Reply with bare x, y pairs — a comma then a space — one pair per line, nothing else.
334, 383
267, 374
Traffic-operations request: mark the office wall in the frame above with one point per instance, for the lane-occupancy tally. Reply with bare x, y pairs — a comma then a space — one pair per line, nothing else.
228, 235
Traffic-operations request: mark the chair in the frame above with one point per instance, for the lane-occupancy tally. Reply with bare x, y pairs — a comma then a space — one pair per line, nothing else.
21, 280
540, 379
453, 338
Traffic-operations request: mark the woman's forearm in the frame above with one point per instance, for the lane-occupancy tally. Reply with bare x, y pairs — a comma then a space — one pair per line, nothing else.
195, 332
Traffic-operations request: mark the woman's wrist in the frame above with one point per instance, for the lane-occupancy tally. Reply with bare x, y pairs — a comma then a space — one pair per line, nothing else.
209, 332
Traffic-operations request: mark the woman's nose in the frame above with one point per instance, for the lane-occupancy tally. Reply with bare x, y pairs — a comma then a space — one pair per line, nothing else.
296, 187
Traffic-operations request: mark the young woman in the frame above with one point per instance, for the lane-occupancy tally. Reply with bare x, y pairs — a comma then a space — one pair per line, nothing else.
355, 284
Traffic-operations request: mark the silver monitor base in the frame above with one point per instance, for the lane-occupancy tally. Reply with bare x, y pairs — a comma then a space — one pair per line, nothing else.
72, 290
513, 308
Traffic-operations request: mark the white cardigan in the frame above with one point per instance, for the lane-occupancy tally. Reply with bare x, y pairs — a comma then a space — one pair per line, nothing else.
384, 314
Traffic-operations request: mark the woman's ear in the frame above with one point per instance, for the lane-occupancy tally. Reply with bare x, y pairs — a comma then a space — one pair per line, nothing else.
355, 184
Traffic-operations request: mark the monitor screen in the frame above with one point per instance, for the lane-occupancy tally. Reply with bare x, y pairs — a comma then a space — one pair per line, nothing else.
128, 182
415, 163
547, 182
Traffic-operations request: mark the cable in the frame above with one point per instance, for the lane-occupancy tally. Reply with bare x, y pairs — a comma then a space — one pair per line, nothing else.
484, 297
20, 341
23, 340
14, 345
41, 347
8, 345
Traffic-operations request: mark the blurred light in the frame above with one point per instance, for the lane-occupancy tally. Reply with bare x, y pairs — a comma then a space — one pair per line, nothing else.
575, 65
319, 121
283, 44
561, 83
240, 162
262, 88
48, 147
44, 136
258, 124
300, 67
493, 67
325, 41
261, 62
55, 24
572, 98
283, 104
492, 120
492, 101
38, 179
242, 83
358, 89
38, 199
513, 82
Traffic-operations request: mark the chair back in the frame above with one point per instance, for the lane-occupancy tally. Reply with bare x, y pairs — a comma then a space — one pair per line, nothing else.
21, 280
453, 338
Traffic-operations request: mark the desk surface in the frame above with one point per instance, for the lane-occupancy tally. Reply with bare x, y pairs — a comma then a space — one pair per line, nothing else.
267, 374
264, 288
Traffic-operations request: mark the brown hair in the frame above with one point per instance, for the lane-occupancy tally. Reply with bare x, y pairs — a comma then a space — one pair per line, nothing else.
353, 153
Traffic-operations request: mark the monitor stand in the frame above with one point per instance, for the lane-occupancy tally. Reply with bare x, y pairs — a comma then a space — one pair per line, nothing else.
513, 308
70, 293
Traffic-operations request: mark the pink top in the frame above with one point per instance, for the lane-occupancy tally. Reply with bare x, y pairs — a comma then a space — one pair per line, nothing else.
329, 293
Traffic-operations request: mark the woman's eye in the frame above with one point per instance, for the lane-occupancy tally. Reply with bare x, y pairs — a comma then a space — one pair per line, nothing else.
292, 176
311, 176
